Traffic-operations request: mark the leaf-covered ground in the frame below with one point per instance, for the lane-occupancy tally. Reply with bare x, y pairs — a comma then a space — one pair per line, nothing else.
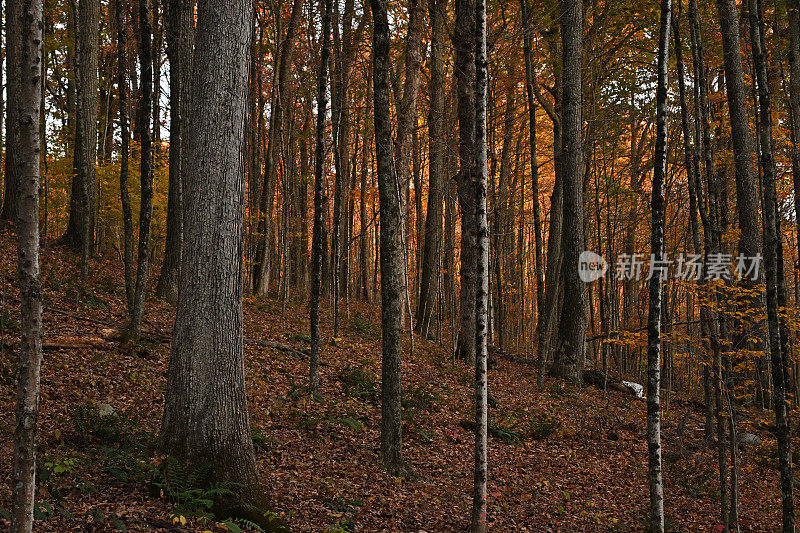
561, 459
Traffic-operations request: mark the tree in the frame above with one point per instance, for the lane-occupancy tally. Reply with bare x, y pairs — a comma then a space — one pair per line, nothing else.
391, 252
10, 208
773, 257
28, 99
482, 290
125, 140
180, 39
568, 359
655, 479
464, 44
80, 229
430, 277
206, 419
319, 186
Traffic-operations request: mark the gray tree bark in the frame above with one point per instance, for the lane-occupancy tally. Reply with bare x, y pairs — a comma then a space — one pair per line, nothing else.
180, 43
125, 140
391, 252
657, 208
464, 44
429, 287
568, 359
773, 257
28, 24
205, 417
10, 206
478, 522
80, 229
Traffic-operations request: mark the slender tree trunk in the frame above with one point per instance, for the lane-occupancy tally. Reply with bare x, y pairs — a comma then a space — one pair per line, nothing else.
794, 102
773, 256
29, 98
568, 360
80, 229
10, 211
144, 119
319, 191
655, 478
482, 293
125, 140
429, 286
180, 37
391, 253
464, 44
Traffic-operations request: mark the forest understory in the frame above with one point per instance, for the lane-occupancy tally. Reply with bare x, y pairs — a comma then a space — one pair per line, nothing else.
563, 459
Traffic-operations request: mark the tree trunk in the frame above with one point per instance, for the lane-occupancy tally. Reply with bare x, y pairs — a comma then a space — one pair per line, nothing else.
429, 286
794, 101
478, 523
143, 122
125, 140
568, 359
10, 211
319, 191
205, 416
391, 252
28, 99
80, 229
464, 44
773, 256
180, 40
655, 479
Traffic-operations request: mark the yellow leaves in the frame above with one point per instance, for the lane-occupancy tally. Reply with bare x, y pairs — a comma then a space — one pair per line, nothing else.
178, 519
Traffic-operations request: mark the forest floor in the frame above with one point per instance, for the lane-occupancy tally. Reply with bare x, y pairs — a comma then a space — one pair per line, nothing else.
563, 459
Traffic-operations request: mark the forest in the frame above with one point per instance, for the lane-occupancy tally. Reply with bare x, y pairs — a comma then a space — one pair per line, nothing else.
425, 266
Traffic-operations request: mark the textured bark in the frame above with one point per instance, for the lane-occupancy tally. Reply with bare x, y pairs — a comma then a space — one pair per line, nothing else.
391, 252
144, 116
277, 123
80, 229
125, 140
319, 191
180, 39
10, 205
746, 185
568, 359
657, 208
430, 277
205, 417
773, 257
478, 522
464, 44
28, 99
794, 101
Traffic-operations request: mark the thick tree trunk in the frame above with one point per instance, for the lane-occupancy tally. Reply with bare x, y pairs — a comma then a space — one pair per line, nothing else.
205, 416
464, 44
180, 39
568, 359
319, 191
478, 523
773, 257
28, 99
657, 207
125, 140
391, 252
429, 286
143, 119
80, 229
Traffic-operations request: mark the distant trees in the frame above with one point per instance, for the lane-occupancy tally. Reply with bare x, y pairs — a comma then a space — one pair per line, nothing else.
26, 94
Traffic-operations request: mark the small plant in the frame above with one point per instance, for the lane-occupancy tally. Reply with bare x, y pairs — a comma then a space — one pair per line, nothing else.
362, 326
359, 383
420, 397
541, 427
89, 420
